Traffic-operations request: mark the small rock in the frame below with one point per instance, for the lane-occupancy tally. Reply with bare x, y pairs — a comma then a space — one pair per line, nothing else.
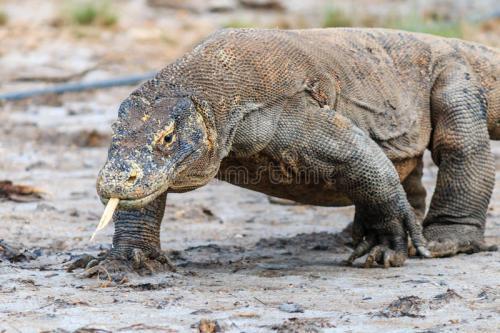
221, 5
447, 296
201, 311
263, 4
248, 315
74, 212
43, 207
291, 308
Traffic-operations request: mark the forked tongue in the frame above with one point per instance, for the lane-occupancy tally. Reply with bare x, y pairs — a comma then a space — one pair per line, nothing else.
106, 216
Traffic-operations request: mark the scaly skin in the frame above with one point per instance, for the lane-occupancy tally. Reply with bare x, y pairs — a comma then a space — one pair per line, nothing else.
329, 117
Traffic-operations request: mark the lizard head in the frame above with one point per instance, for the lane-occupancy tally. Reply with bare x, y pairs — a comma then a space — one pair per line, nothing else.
158, 144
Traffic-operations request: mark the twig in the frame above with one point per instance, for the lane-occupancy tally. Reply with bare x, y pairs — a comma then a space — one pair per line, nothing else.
57, 79
260, 301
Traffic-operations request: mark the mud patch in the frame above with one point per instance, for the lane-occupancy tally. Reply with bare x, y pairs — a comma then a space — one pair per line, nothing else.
13, 254
441, 300
148, 286
317, 241
268, 253
212, 255
409, 306
414, 306
489, 294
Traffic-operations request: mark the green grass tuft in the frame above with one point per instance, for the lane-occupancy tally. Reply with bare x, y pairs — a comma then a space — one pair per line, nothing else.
91, 12
238, 24
335, 17
435, 26
84, 14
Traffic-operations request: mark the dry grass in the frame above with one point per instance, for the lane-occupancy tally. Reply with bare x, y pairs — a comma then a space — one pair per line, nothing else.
4, 18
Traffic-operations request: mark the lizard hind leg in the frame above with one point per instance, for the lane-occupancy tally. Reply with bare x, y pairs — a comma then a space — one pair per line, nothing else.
415, 193
461, 149
415, 190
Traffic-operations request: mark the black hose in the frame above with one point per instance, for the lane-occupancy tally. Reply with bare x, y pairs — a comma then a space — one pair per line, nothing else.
76, 87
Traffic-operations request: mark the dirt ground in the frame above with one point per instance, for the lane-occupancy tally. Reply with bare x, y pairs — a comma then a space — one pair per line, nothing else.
245, 263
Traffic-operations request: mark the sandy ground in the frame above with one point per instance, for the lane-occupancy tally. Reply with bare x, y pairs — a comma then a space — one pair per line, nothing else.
240, 257
246, 263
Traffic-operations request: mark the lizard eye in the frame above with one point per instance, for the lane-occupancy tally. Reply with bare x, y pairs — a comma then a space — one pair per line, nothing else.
168, 139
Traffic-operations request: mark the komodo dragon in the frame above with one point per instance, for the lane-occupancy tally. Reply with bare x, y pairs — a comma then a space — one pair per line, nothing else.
328, 117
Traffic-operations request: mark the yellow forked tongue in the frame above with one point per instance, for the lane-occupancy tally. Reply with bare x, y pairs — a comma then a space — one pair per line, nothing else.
106, 216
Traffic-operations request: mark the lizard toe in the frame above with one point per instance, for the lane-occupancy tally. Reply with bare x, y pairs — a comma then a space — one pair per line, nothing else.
449, 247
385, 256
362, 248
81, 261
108, 269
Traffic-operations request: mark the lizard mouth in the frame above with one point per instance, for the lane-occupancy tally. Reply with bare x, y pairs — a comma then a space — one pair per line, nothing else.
137, 203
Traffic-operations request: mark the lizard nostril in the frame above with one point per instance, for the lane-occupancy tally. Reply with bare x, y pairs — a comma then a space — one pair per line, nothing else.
132, 177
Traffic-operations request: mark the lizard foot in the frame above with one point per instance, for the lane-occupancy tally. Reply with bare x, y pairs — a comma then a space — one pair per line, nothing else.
386, 240
452, 239
381, 254
116, 266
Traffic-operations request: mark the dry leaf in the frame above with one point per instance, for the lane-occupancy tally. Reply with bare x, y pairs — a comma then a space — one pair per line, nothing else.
19, 193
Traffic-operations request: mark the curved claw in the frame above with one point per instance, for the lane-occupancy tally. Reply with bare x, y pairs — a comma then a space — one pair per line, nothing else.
166, 260
375, 256
389, 257
92, 263
414, 229
424, 252
138, 259
81, 262
492, 248
363, 247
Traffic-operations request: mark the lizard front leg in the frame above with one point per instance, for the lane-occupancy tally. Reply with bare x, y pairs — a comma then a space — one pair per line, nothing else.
136, 245
384, 217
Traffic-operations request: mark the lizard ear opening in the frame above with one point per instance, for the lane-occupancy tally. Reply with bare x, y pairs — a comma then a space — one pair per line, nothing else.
204, 111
